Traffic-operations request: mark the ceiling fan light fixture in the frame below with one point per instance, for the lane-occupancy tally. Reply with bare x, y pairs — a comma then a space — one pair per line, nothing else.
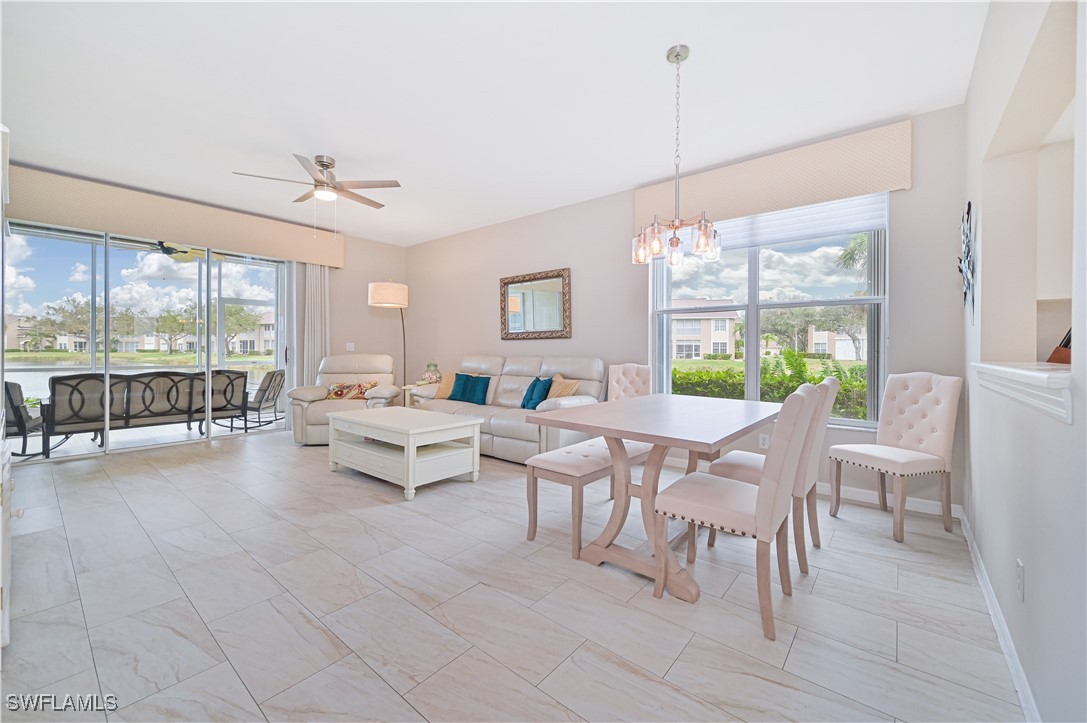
324, 193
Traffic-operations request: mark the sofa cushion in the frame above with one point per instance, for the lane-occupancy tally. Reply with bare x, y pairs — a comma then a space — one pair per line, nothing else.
445, 406
476, 392
588, 370
510, 423
510, 390
350, 390
522, 366
537, 392
459, 391
562, 387
445, 387
481, 364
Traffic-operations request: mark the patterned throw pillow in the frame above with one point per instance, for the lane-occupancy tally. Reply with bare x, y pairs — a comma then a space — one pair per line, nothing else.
350, 391
562, 387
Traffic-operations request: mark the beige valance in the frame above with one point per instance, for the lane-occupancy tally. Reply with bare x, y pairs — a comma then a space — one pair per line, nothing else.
59, 200
859, 164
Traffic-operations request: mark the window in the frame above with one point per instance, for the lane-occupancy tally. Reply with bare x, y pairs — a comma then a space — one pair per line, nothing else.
789, 285
688, 327
688, 351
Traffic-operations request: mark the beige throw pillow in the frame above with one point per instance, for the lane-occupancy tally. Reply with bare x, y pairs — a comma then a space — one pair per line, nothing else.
562, 387
445, 387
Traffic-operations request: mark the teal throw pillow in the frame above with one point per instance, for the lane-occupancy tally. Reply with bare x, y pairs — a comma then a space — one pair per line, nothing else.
537, 392
477, 390
460, 387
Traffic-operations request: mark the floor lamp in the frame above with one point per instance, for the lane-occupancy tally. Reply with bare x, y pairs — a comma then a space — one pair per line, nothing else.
391, 295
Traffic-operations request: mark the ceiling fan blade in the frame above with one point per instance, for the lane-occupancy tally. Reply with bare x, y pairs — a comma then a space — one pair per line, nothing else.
305, 196
361, 199
311, 169
271, 178
347, 185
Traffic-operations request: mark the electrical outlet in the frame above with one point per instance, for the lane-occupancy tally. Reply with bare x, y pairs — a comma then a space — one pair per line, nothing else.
350, 346
764, 441
1020, 580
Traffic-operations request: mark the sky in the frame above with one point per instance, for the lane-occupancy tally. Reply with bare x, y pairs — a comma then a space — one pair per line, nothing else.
41, 271
799, 270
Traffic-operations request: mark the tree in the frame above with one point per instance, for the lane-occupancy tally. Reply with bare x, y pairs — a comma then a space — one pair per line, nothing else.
238, 320
175, 325
72, 315
789, 326
854, 257
40, 334
849, 320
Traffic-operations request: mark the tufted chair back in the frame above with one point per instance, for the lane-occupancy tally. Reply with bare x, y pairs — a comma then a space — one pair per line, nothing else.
783, 459
629, 380
918, 413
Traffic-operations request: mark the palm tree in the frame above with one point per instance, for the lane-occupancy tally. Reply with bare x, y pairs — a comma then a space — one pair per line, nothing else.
854, 257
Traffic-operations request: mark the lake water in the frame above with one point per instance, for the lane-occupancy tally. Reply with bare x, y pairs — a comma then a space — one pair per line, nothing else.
35, 379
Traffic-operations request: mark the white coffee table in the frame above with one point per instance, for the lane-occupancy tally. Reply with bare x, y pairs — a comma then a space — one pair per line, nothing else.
408, 447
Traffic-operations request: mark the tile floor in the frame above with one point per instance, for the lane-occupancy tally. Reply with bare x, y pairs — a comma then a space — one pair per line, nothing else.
242, 580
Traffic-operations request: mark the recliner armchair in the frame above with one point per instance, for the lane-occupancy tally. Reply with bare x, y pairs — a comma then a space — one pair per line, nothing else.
310, 405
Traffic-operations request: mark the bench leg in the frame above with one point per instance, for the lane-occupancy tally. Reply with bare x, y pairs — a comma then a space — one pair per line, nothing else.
530, 488
576, 509
611, 493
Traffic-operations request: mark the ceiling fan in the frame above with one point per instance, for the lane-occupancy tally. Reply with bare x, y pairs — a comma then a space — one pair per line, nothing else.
177, 252
325, 185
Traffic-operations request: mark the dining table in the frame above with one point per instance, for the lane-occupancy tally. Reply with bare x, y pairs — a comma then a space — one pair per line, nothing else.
702, 426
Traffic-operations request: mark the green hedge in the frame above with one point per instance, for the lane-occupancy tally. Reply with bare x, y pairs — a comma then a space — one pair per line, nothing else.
717, 357
780, 376
815, 355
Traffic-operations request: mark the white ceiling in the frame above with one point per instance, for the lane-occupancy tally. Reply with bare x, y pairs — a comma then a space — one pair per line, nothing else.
484, 112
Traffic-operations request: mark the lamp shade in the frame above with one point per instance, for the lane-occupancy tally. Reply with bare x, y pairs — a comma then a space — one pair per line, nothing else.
388, 294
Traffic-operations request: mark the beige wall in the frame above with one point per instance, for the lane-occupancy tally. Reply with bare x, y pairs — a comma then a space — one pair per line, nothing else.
1025, 496
372, 330
1055, 172
455, 296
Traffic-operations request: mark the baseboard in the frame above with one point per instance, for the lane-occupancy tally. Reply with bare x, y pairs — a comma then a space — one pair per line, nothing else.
871, 498
1019, 676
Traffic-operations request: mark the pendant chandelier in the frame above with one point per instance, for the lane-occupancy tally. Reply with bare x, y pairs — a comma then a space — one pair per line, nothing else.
650, 242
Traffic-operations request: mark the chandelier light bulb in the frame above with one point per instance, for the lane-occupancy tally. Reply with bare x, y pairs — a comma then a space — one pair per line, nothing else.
656, 243
712, 253
675, 253
639, 250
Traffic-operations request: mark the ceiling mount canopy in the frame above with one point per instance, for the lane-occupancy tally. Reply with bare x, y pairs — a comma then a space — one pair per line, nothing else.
649, 243
325, 187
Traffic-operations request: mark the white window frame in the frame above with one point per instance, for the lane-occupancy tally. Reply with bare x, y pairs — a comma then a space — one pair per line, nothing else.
661, 314
719, 347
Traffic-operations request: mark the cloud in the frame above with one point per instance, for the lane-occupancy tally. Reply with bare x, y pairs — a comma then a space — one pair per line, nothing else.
15, 281
17, 250
789, 275
147, 300
79, 273
153, 266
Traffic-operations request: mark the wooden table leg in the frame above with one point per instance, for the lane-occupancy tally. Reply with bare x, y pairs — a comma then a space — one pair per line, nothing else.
678, 582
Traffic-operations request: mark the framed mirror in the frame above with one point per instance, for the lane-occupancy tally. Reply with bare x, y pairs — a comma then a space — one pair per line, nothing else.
535, 306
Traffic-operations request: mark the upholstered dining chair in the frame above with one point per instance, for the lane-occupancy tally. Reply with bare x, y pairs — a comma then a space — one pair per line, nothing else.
728, 505
747, 467
915, 436
585, 462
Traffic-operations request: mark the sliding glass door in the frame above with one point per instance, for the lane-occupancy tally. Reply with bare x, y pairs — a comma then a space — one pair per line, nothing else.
157, 324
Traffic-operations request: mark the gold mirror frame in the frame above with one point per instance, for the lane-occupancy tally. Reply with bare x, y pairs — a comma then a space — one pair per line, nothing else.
503, 303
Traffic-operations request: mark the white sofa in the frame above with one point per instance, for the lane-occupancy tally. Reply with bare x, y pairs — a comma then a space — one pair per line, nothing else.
310, 406
504, 432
